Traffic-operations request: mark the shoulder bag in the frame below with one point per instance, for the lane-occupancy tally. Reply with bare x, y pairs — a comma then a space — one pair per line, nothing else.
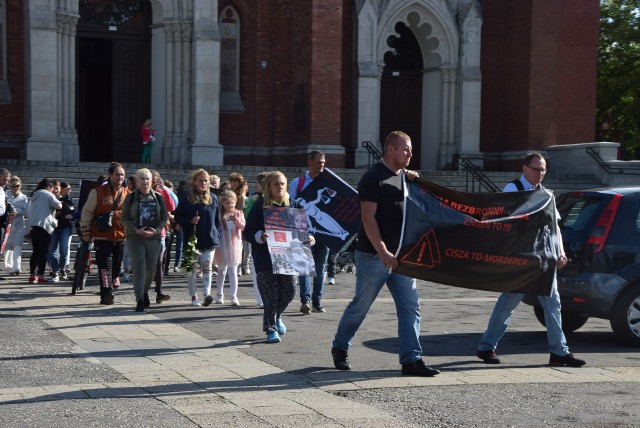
104, 221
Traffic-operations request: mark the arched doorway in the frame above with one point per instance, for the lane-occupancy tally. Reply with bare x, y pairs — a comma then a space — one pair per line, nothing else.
113, 78
401, 89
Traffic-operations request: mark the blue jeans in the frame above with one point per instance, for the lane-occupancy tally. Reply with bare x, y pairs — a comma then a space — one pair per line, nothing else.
58, 257
320, 255
371, 275
506, 305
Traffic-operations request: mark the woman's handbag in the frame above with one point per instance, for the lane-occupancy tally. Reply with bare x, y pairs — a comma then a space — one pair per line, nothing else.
104, 221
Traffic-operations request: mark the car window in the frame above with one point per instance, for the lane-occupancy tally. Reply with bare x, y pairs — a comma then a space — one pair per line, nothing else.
576, 213
638, 221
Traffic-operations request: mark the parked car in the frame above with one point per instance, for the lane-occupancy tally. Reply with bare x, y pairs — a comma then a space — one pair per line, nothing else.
601, 234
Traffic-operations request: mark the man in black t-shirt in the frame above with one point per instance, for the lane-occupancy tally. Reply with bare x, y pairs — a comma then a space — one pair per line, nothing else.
381, 203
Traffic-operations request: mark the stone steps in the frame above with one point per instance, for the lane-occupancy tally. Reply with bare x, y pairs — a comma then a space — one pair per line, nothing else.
32, 171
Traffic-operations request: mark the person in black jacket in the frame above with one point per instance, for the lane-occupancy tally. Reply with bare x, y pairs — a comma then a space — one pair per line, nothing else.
198, 210
61, 237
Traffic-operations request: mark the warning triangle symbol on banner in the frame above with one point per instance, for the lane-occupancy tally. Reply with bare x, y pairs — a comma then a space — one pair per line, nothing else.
425, 252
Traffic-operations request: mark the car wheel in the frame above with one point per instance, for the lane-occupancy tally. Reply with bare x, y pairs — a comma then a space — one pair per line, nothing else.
570, 322
625, 316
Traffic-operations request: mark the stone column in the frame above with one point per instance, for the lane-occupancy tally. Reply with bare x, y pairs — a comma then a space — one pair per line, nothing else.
185, 40
169, 150
42, 83
368, 110
67, 134
177, 135
369, 75
470, 87
206, 148
448, 143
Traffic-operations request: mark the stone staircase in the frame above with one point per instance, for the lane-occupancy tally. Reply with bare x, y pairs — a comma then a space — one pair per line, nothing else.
32, 171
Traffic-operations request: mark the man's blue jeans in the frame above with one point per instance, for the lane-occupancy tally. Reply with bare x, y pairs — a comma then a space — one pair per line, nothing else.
320, 255
371, 275
506, 305
58, 256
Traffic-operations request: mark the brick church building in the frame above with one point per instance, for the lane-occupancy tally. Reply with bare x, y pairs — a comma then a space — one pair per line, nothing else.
262, 82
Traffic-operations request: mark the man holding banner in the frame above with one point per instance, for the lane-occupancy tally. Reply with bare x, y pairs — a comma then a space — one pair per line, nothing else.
309, 300
534, 168
381, 193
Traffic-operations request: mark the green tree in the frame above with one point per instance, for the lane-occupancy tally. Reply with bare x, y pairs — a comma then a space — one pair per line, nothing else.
618, 105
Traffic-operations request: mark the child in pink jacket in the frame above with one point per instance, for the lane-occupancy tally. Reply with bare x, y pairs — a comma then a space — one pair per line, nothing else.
229, 255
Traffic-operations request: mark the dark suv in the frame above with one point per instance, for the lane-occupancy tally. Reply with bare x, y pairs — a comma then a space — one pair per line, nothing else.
601, 235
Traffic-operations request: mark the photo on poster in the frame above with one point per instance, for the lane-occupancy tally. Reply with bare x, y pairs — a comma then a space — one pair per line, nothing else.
287, 242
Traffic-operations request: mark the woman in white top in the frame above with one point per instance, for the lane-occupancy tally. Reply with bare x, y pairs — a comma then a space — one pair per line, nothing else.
13, 250
42, 222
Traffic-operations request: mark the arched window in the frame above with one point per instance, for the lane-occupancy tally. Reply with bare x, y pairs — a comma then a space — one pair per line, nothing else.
230, 60
5, 94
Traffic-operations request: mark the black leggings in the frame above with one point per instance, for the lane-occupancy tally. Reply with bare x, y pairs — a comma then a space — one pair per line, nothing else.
108, 257
40, 239
277, 292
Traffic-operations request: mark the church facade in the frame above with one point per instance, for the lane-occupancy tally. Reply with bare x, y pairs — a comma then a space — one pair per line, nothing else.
263, 82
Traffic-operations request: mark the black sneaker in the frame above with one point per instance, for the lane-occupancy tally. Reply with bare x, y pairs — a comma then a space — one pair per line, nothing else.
145, 300
305, 308
340, 359
140, 306
106, 296
317, 307
418, 368
208, 300
162, 297
565, 360
489, 356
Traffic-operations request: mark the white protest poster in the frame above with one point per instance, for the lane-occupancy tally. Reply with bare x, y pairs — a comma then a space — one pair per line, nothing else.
288, 235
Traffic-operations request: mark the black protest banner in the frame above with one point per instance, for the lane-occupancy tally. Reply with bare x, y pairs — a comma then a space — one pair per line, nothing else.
333, 209
86, 186
503, 242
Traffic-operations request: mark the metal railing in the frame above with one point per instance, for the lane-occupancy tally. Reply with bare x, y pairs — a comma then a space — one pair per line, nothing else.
476, 180
596, 156
374, 154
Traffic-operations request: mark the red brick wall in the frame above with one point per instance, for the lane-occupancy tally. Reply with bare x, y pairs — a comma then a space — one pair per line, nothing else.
269, 32
577, 56
12, 116
539, 67
349, 129
300, 98
326, 72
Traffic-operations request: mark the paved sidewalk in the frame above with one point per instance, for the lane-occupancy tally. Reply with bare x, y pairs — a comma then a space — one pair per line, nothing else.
171, 376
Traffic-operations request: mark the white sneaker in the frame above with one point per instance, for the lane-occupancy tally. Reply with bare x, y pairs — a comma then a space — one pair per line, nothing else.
235, 301
196, 303
54, 278
220, 300
332, 280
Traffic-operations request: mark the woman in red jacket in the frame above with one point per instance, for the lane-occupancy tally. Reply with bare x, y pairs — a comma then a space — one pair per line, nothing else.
147, 141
